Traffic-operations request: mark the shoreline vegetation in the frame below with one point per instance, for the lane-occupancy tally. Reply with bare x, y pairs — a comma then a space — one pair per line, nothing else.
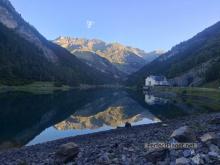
49, 87
39, 87
127, 145
192, 91
35, 88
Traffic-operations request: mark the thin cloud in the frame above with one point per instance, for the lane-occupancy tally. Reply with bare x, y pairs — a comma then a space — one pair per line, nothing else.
90, 24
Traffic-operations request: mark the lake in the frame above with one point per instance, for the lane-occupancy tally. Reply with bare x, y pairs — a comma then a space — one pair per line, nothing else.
28, 119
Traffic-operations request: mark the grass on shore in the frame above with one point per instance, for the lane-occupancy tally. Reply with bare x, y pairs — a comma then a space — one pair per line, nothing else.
192, 91
205, 98
35, 88
213, 84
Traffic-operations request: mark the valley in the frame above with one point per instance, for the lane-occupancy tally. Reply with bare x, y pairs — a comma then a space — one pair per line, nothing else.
194, 62
125, 59
121, 84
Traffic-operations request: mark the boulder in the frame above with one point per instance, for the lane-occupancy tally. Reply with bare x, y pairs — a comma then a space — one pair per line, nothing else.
66, 153
210, 137
104, 158
127, 125
156, 155
182, 161
184, 134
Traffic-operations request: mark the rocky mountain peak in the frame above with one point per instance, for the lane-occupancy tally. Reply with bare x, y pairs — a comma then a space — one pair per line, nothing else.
8, 14
127, 59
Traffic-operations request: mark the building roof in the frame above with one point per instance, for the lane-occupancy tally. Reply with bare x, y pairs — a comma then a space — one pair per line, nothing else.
158, 78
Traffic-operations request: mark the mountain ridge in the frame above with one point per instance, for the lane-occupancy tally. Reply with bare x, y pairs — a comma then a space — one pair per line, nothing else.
200, 53
125, 58
43, 60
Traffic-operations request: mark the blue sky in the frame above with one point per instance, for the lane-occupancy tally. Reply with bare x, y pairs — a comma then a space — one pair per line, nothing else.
146, 24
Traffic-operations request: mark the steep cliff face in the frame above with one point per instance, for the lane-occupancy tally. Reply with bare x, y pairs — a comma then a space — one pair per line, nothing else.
25, 55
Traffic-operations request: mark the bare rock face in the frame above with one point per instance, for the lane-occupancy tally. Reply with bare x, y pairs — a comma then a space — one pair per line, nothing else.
192, 77
12, 20
184, 134
126, 59
66, 153
7, 19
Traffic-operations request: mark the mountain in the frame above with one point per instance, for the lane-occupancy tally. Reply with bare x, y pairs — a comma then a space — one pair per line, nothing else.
25, 55
111, 110
126, 59
150, 56
99, 63
22, 125
190, 63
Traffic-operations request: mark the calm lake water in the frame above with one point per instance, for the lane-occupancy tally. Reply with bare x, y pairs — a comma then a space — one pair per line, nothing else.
27, 119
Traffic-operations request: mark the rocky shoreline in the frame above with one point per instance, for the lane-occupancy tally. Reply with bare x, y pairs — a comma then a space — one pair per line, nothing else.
128, 145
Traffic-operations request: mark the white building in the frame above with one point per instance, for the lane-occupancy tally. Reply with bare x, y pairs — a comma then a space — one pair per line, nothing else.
156, 81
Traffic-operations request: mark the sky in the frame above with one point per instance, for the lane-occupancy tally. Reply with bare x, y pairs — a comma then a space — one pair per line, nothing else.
145, 24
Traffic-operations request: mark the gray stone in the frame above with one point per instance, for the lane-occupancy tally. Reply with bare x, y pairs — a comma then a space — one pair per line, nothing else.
193, 152
172, 163
104, 158
210, 137
184, 134
186, 153
214, 158
213, 155
173, 153
182, 161
156, 155
197, 159
123, 157
66, 153
214, 148
162, 163
205, 157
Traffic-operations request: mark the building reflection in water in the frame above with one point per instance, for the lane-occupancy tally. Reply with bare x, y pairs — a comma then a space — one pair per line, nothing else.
150, 99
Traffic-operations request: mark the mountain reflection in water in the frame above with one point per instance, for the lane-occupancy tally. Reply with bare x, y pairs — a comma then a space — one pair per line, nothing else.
103, 113
115, 110
27, 119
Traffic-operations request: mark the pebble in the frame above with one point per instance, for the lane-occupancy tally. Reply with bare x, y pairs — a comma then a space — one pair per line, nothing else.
127, 146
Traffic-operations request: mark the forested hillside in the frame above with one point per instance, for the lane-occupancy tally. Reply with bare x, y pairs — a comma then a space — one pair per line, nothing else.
197, 58
25, 55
